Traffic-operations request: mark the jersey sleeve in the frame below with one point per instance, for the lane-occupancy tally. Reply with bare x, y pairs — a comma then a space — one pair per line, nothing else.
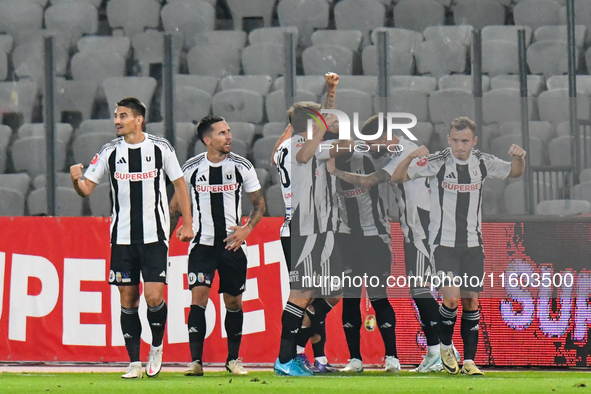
495, 167
395, 160
98, 166
425, 166
251, 181
171, 165
323, 149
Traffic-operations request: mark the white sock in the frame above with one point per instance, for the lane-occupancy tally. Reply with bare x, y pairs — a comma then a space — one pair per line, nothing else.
432, 350
468, 361
445, 347
322, 360
300, 349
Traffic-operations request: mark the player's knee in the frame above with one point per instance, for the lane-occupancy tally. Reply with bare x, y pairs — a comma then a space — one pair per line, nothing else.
233, 303
470, 304
451, 303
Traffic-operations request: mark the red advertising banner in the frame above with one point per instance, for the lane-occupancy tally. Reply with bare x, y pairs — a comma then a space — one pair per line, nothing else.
56, 304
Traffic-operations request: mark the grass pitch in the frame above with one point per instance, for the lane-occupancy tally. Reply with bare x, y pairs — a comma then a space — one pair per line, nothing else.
267, 382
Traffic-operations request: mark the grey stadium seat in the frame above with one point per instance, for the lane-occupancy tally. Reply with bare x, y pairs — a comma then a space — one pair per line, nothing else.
563, 207
243, 131
97, 126
241, 9
458, 81
447, 104
537, 13
271, 35
499, 57
148, 48
535, 83
402, 39
417, 15
190, 104
554, 106
262, 151
438, 58
257, 83
238, 105
306, 15
548, 58
85, 146
133, 16
188, 17
362, 15
5, 134
29, 154
479, 13
559, 32
346, 38
311, 83
318, 60
19, 182
582, 191
275, 104
506, 33
459, 33
414, 82
274, 200
26, 91
12, 202
68, 202
501, 105
75, 18
62, 179
399, 62
100, 200
117, 88
74, 96
261, 59
63, 131
407, 100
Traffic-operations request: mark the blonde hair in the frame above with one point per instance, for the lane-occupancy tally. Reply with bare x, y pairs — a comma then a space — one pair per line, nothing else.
299, 114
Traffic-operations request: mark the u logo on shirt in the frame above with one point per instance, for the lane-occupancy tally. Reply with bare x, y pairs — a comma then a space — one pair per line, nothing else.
229, 177
148, 158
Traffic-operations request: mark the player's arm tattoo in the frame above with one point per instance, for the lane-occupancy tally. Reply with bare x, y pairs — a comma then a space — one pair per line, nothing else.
174, 220
370, 180
330, 102
258, 203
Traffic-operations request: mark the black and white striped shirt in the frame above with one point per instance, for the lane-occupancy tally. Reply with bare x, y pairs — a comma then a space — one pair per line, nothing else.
216, 195
456, 194
140, 213
363, 211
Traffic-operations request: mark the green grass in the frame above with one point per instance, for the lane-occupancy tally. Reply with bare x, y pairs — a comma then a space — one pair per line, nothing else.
267, 382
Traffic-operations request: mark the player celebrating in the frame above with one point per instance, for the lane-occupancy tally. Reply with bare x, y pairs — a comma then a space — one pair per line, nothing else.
137, 164
216, 179
456, 176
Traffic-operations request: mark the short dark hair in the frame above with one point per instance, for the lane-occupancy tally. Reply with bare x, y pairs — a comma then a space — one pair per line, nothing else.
204, 125
136, 106
299, 114
462, 123
371, 125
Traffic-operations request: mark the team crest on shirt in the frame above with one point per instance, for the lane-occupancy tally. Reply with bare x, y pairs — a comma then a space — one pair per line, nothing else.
229, 176
148, 158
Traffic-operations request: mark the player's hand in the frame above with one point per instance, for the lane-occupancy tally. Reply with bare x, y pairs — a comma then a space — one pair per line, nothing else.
517, 151
76, 172
185, 232
422, 151
234, 241
332, 79
330, 166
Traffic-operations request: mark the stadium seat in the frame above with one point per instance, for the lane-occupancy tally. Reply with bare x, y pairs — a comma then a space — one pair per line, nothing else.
271, 35
362, 15
536, 13
417, 15
399, 62
68, 202
63, 131
241, 9
553, 106
582, 191
582, 13
18, 97
199, 147
275, 103
306, 15
74, 96
28, 60
352, 101
262, 151
508, 33
19, 182
402, 39
364, 83
502, 105
119, 45
117, 88
346, 38
457, 81
560, 150
274, 200
563, 207
242, 131
460, 33
539, 129
12, 202
438, 58
62, 179
188, 17
238, 105
479, 13
29, 154
264, 178
5, 134
548, 58
499, 57
190, 104
227, 38
86, 145
318, 60
423, 132
262, 59
447, 104
312, 83
561, 82
148, 48
535, 83
3, 66
257, 83
100, 200
96, 66
413, 82
96, 126
133, 16
22, 15
75, 18
559, 32
406, 100
185, 130
514, 196
500, 148
274, 129
585, 175
6, 42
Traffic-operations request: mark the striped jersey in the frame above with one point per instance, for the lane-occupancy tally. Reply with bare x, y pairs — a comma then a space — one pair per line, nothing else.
413, 199
363, 211
216, 195
140, 213
456, 194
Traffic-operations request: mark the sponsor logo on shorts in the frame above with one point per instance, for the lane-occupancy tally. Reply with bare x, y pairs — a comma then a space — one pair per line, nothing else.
118, 277
192, 278
125, 277
200, 277
163, 274
112, 276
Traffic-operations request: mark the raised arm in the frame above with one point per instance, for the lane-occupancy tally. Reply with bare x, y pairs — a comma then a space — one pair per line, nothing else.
332, 80
518, 163
83, 187
182, 202
308, 150
286, 134
401, 173
241, 232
